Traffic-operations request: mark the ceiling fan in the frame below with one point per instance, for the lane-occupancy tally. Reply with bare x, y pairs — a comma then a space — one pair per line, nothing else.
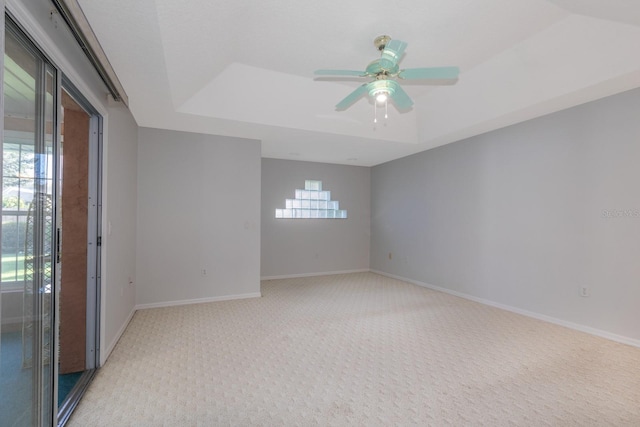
384, 71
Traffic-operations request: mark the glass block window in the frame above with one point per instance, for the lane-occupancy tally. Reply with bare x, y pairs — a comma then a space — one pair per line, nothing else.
312, 202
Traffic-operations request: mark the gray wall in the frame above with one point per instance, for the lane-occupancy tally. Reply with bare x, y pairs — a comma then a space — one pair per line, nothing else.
293, 247
118, 224
524, 216
198, 209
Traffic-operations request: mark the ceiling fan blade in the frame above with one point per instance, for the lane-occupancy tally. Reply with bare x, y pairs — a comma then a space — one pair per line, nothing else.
340, 73
444, 73
353, 97
400, 97
392, 53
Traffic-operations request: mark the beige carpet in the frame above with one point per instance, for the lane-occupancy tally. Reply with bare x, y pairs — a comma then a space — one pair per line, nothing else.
358, 349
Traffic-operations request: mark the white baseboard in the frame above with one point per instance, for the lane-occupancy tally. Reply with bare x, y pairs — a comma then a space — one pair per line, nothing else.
576, 326
322, 273
197, 301
104, 354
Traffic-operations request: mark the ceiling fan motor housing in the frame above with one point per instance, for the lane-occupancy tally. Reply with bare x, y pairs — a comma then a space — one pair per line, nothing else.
374, 69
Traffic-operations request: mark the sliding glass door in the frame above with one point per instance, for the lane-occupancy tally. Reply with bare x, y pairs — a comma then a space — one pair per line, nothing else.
28, 353
50, 271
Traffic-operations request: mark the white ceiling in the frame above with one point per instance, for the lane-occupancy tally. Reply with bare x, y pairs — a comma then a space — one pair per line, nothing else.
245, 68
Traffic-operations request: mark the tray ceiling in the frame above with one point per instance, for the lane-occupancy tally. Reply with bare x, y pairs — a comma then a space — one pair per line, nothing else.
245, 69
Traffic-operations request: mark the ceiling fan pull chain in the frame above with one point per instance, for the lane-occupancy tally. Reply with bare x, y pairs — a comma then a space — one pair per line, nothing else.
386, 109
375, 112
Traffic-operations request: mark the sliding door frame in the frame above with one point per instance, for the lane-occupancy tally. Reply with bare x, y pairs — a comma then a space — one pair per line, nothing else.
94, 246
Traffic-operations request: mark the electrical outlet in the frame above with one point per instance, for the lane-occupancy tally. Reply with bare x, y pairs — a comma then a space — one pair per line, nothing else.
204, 272
585, 291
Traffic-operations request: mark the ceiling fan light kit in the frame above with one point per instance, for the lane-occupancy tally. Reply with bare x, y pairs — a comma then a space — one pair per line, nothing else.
383, 72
